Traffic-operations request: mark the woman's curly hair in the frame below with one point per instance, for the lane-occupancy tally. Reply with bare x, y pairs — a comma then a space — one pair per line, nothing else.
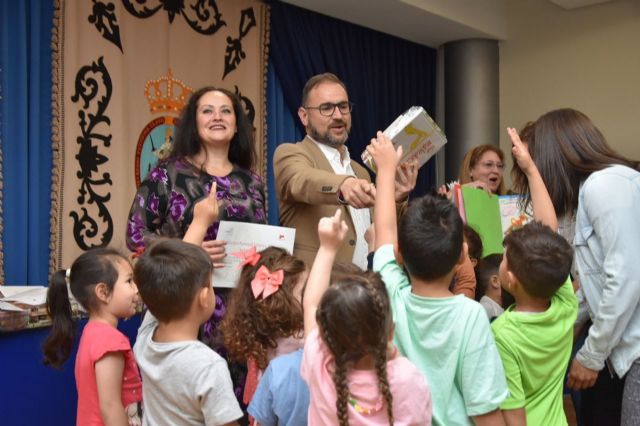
253, 326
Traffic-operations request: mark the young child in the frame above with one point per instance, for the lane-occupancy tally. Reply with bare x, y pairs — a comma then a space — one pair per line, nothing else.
355, 375
282, 397
264, 316
474, 244
535, 335
448, 337
185, 382
464, 280
488, 289
107, 377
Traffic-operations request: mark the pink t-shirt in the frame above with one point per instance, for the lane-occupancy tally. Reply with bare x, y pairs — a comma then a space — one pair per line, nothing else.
98, 339
411, 395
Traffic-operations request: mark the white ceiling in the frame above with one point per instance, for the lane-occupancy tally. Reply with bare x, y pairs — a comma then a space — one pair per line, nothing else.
574, 4
428, 22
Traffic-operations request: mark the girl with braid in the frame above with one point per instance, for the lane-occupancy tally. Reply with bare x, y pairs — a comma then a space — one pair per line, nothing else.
354, 373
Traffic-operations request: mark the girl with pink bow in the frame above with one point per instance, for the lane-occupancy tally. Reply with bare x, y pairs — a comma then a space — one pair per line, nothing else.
264, 316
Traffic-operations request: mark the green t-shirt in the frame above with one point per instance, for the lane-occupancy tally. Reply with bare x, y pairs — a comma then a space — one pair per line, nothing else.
535, 349
449, 339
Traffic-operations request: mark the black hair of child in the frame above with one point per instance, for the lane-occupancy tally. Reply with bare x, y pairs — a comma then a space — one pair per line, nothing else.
539, 258
169, 274
430, 237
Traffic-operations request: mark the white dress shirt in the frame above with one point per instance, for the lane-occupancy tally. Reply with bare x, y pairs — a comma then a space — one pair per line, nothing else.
341, 165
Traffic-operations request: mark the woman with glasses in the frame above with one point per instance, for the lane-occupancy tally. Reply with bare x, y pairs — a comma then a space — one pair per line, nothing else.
482, 168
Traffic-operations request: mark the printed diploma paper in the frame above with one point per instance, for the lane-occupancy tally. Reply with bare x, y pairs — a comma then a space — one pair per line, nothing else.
243, 237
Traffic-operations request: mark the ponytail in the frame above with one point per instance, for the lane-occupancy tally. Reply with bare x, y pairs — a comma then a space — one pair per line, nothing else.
90, 268
58, 345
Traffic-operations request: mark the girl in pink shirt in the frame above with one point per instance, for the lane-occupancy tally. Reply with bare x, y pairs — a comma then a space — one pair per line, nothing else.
107, 377
354, 373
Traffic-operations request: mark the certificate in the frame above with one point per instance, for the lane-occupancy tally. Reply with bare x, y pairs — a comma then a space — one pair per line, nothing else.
242, 237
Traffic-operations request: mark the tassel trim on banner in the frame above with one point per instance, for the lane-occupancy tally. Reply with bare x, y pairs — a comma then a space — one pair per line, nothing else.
57, 147
266, 19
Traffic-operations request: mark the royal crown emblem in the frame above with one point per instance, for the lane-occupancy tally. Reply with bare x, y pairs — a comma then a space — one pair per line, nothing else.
166, 94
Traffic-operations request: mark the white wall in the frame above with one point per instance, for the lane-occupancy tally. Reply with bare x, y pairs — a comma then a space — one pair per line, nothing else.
587, 59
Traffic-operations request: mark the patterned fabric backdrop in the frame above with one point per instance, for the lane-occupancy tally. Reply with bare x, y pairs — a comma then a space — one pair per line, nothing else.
122, 72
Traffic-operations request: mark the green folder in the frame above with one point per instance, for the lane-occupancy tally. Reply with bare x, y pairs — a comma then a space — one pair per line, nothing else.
483, 215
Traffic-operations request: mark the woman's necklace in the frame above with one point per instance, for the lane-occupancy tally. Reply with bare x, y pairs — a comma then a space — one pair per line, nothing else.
365, 411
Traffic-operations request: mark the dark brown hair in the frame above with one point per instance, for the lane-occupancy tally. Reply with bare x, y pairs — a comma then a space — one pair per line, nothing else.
474, 242
354, 320
519, 181
486, 268
89, 269
539, 258
169, 274
472, 157
187, 141
567, 147
430, 237
317, 80
253, 326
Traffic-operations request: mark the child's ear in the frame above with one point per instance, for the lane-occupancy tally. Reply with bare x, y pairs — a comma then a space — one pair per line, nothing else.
494, 281
102, 292
512, 281
203, 298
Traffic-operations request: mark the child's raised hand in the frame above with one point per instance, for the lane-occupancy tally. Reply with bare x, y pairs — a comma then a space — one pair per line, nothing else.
520, 151
332, 231
384, 154
206, 210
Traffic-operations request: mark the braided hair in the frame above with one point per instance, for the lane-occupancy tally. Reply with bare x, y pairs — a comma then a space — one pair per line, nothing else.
345, 307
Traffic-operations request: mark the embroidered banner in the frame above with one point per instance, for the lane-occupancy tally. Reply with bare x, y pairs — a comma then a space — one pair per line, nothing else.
122, 72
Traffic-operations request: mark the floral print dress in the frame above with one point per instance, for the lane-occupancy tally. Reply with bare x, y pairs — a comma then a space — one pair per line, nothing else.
163, 207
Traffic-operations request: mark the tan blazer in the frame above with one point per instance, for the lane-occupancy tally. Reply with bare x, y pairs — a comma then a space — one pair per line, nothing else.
307, 187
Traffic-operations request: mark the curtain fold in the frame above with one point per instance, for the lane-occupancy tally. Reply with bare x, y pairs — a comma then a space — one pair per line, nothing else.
282, 127
384, 75
25, 134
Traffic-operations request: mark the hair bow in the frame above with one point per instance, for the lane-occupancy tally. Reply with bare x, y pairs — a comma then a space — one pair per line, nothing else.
266, 282
249, 256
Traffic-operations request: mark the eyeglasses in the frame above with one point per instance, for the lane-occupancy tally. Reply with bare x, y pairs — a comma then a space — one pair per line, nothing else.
327, 109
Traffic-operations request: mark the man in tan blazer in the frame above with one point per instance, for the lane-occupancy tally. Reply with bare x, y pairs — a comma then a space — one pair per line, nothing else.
316, 176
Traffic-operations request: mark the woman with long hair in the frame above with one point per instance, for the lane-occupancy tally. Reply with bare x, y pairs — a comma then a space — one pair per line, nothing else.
585, 177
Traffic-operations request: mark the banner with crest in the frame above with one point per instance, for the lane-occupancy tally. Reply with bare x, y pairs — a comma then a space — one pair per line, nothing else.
123, 69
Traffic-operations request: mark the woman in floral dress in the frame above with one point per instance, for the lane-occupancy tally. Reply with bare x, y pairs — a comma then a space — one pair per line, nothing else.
213, 143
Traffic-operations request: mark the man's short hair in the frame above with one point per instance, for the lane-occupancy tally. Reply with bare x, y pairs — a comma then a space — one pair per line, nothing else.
430, 237
169, 274
539, 258
317, 80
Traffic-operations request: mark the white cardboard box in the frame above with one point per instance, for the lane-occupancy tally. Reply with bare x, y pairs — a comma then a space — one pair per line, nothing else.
419, 136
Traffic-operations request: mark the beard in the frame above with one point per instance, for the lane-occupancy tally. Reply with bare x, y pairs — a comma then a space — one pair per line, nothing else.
327, 138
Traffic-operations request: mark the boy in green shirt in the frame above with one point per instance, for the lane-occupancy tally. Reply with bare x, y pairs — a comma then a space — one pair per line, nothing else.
447, 337
534, 336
